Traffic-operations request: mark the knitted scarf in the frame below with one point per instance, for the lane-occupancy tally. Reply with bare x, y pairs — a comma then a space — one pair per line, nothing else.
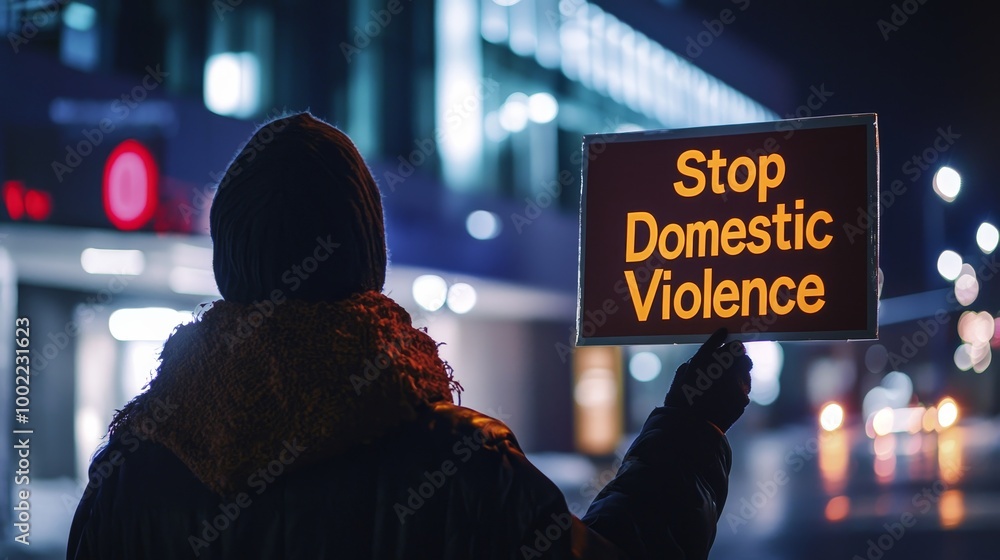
243, 382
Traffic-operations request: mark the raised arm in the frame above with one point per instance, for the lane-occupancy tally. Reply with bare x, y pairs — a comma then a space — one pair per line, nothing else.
669, 493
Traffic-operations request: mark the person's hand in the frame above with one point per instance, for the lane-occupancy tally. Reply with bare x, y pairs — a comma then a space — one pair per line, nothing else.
715, 382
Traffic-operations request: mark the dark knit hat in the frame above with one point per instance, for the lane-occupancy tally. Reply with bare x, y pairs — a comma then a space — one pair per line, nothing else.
297, 215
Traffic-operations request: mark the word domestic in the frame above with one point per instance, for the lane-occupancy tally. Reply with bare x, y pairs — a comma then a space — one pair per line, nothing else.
731, 237
778, 228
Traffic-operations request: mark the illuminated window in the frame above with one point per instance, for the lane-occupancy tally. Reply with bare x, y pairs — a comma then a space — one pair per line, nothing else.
238, 72
608, 56
461, 90
79, 46
597, 397
232, 84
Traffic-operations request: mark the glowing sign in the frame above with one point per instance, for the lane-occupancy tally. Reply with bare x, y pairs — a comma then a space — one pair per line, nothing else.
130, 185
20, 201
13, 199
768, 229
37, 204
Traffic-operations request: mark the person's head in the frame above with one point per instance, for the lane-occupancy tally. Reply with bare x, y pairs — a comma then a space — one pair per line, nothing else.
298, 215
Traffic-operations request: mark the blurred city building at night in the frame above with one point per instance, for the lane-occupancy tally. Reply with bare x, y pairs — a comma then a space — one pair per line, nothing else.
118, 118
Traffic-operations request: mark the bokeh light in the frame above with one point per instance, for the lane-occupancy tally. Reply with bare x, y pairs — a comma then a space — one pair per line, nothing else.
899, 388
829, 379
883, 421
875, 399
982, 360
963, 356
645, 366
837, 508
947, 412
831, 416
987, 237
966, 289
483, 225
461, 297
947, 183
514, 112
430, 291
876, 358
949, 264
542, 107
768, 358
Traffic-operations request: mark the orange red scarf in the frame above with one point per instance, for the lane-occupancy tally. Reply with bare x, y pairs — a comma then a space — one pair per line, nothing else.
244, 381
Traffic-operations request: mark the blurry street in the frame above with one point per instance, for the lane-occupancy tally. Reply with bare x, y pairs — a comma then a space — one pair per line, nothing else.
930, 495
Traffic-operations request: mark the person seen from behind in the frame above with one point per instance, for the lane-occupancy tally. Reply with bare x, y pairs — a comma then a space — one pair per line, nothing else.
302, 416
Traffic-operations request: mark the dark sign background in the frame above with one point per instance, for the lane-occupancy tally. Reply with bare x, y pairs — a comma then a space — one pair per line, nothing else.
831, 163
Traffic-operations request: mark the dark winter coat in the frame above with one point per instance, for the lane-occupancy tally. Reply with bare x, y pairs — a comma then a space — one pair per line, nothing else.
452, 485
189, 473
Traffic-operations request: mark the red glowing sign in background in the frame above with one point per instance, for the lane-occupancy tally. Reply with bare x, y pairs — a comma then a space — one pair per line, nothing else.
130, 185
